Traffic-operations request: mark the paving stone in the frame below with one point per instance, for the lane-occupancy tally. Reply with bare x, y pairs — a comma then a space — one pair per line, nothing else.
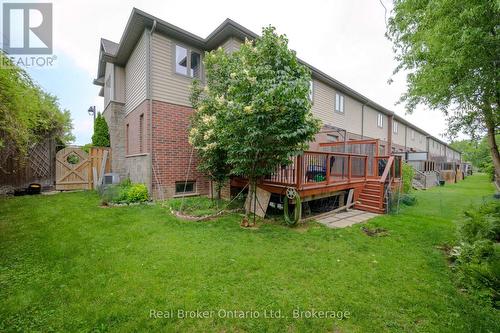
346, 219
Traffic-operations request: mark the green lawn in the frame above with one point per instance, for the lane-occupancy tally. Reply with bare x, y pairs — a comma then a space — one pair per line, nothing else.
68, 265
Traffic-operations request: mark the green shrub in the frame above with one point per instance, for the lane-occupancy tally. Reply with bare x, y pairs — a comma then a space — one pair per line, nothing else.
482, 222
125, 192
477, 257
408, 200
109, 194
135, 193
408, 174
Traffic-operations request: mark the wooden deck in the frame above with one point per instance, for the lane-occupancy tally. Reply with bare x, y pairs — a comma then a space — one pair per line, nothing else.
317, 174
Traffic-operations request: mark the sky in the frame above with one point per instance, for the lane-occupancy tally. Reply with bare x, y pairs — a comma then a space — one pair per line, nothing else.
343, 38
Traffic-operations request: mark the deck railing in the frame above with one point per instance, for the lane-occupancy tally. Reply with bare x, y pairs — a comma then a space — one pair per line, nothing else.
325, 168
321, 168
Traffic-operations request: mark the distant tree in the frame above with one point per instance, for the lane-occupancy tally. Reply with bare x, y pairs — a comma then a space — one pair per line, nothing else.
257, 106
28, 114
477, 152
101, 132
451, 50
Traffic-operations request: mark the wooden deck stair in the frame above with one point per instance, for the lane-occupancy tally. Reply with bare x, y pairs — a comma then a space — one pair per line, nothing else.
371, 198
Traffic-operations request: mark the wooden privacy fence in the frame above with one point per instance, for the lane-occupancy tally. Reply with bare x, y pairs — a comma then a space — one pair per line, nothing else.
37, 167
77, 170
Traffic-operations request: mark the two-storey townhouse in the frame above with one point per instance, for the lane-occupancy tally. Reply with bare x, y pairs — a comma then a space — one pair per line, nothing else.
146, 80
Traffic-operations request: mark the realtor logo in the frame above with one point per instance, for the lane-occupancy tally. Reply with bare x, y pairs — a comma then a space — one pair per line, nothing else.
27, 28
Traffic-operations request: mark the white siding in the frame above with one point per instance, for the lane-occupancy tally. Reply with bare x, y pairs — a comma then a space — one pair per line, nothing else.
135, 76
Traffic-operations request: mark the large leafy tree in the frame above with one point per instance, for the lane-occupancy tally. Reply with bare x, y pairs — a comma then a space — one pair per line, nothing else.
451, 50
206, 135
256, 107
28, 114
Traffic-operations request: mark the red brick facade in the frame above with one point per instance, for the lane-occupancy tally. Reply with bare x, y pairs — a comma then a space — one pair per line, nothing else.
172, 151
137, 138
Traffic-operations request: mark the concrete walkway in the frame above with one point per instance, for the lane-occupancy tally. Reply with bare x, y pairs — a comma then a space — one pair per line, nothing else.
345, 219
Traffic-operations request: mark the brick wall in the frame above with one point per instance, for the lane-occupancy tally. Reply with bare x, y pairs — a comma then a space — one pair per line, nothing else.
138, 137
171, 150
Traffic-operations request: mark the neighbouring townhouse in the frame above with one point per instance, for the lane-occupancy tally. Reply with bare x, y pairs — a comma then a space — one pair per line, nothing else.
146, 78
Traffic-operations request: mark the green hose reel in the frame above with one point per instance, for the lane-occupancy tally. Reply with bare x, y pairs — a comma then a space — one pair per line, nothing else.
291, 194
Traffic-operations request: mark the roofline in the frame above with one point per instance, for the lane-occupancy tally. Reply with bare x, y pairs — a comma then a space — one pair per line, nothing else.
226, 28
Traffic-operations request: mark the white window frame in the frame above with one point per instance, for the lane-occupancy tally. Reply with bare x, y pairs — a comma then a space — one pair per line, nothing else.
380, 120
189, 51
412, 134
311, 91
339, 103
395, 128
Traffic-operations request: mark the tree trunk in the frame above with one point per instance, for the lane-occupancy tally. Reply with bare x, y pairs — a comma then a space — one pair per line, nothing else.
495, 155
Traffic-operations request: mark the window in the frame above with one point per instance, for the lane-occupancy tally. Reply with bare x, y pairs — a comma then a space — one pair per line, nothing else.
412, 134
339, 103
187, 62
185, 187
195, 65
380, 120
311, 90
126, 140
394, 127
332, 138
181, 60
381, 150
141, 132
420, 138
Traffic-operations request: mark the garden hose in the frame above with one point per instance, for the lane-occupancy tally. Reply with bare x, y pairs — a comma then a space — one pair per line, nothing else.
297, 213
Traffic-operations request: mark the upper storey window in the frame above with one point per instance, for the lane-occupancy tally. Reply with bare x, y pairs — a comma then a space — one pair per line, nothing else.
187, 62
394, 127
311, 90
380, 120
339, 103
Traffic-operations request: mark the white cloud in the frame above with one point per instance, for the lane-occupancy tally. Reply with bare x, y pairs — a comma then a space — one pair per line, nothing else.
345, 39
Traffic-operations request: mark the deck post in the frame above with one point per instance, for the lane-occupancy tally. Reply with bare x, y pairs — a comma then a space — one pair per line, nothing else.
328, 166
349, 163
366, 167
299, 171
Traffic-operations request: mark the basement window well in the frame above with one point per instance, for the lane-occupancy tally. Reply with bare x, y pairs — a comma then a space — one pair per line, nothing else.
183, 187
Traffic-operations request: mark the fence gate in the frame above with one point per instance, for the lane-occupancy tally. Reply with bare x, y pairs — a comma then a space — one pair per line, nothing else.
72, 169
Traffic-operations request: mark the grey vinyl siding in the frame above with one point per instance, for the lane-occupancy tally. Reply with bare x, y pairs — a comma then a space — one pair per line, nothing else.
352, 122
436, 150
324, 105
108, 83
418, 143
399, 137
119, 85
371, 128
166, 85
135, 76
231, 44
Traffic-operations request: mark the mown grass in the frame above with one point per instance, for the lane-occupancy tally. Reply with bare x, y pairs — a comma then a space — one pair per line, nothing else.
68, 265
